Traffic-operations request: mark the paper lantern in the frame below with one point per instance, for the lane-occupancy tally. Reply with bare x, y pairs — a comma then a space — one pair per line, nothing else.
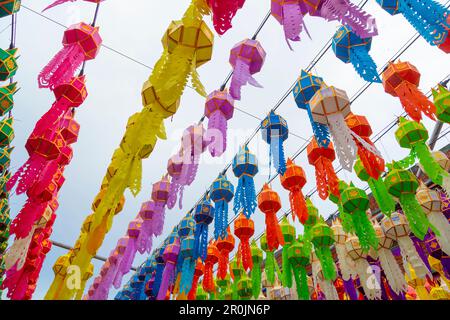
81, 42
224, 288
186, 259
413, 135
257, 259
245, 167
222, 192
397, 228
431, 203
8, 63
152, 225
244, 288
223, 13
355, 202
5, 159
418, 284
269, 203
346, 264
401, 80
322, 159
244, 229
203, 216
299, 258
151, 100
325, 287
304, 89
7, 98
212, 258
9, 7
441, 98
429, 18
294, 180
170, 257
290, 13
322, 238
236, 272
288, 232
350, 48
225, 245
247, 58
198, 272
219, 108
274, 130
269, 264
6, 132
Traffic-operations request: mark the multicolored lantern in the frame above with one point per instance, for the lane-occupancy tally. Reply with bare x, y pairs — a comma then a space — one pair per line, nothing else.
203, 216
225, 244
222, 192
245, 167
244, 229
269, 203
322, 159
7, 98
8, 63
212, 258
275, 131
304, 89
350, 48
401, 80
322, 238
288, 232
223, 12
355, 202
441, 98
219, 108
294, 180
257, 259
429, 18
247, 58
170, 257
299, 258
81, 42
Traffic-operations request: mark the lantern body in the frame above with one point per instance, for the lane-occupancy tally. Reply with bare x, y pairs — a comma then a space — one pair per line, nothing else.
86, 36
9, 7
249, 51
245, 163
396, 226
269, 201
160, 190
8, 64
74, 92
344, 40
305, 88
410, 132
399, 182
354, 199
441, 98
151, 99
329, 101
7, 98
294, 177
220, 101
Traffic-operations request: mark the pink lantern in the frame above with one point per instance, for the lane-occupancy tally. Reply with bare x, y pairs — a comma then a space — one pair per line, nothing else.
247, 58
81, 42
223, 11
219, 108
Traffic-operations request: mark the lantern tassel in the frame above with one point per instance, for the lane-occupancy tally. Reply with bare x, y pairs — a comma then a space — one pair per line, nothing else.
364, 64
269, 266
382, 196
57, 3
277, 154
223, 264
241, 76
344, 144
27, 174
417, 218
368, 279
273, 231
245, 253
365, 231
432, 168
393, 273
167, 278
442, 225
301, 283
409, 252
217, 122
220, 219
223, 13
201, 241
346, 264
208, 280
23, 223
245, 196
286, 266
256, 280
414, 101
298, 205
326, 178
293, 23
193, 292
321, 131
327, 262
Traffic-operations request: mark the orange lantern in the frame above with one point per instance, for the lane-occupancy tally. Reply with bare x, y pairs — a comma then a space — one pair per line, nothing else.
243, 229
269, 202
294, 180
198, 272
322, 160
212, 257
225, 244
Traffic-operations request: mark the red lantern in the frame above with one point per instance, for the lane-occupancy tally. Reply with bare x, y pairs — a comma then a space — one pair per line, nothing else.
225, 245
212, 257
321, 158
294, 180
198, 272
269, 202
243, 229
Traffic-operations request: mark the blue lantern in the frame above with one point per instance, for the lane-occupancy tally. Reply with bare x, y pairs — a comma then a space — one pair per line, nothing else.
222, 191
245, 167
429, 18
186, 257
275, 131
137, 284
203, 216
350, 48
305, 88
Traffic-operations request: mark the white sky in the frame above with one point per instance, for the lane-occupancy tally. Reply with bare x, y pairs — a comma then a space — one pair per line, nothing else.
114, 85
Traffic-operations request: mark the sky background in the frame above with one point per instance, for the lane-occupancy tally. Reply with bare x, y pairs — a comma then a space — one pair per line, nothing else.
134, 29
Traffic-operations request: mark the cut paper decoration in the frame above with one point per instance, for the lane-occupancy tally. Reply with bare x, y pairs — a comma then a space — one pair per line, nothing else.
294, 180
275, 131
222, 192
244, 229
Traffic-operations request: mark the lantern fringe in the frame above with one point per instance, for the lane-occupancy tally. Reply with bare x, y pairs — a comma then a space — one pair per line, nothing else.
417, 218
269, 266
245, 196
344, 144
301, 283
293, 22
326, 178
167, 278
409, 252
277, 155
241, 76
218, 145
245, 254
273, 231
57, 3
364, 64
365, 231
222, 269
223, 13
394, 274
298, 205
256, 280
220, 218
208, 280
414, 101
286, 266
368, 279
23, 223
193, 292
200, 241
327, 262
431, 167
382, 196
441, 223
346, 264
16, 255
321, 131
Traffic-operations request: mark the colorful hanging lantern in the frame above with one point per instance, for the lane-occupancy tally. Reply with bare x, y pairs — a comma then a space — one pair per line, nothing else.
269, 264
198, 272
275, 131
8, 63
326, 287
212, 258
431, 203
429, 18
81, 42
269, 203
244, 229
245, 167
299, 258
288, 232
397, 228
224, 288
402, 185
322, 238
290, 13
151, 224
391, 269
223, 13
247, 58
6, 132
350, 48
7, 98
304, 89
441, 100
170, 257
413, 135
401, 80
9, 7
225, 244
346, 264
222, 191
219, 108
244, 288
203, 216
236, 272
257, 259
322, 159
186, 234
355, 202
294, 180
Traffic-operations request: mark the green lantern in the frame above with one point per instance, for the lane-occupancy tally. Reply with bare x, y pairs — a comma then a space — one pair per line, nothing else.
4, 235
5, 158
288, 232
244, 288
5, 220
237, 273
346, 219
402, 184
223, 285
6, 98
3, 247
201, 294
8, 64
322, 237
269, 265
257, 258
6, 132
313, 216
299, 254
413, 135
9, 7
441, 98
355, 203
378, 188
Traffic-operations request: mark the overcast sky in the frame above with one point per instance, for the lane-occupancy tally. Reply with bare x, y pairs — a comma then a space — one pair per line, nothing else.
134, 28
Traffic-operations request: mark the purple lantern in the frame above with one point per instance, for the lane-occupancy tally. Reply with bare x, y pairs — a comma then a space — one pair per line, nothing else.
219, 108
247, 58
170, 257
